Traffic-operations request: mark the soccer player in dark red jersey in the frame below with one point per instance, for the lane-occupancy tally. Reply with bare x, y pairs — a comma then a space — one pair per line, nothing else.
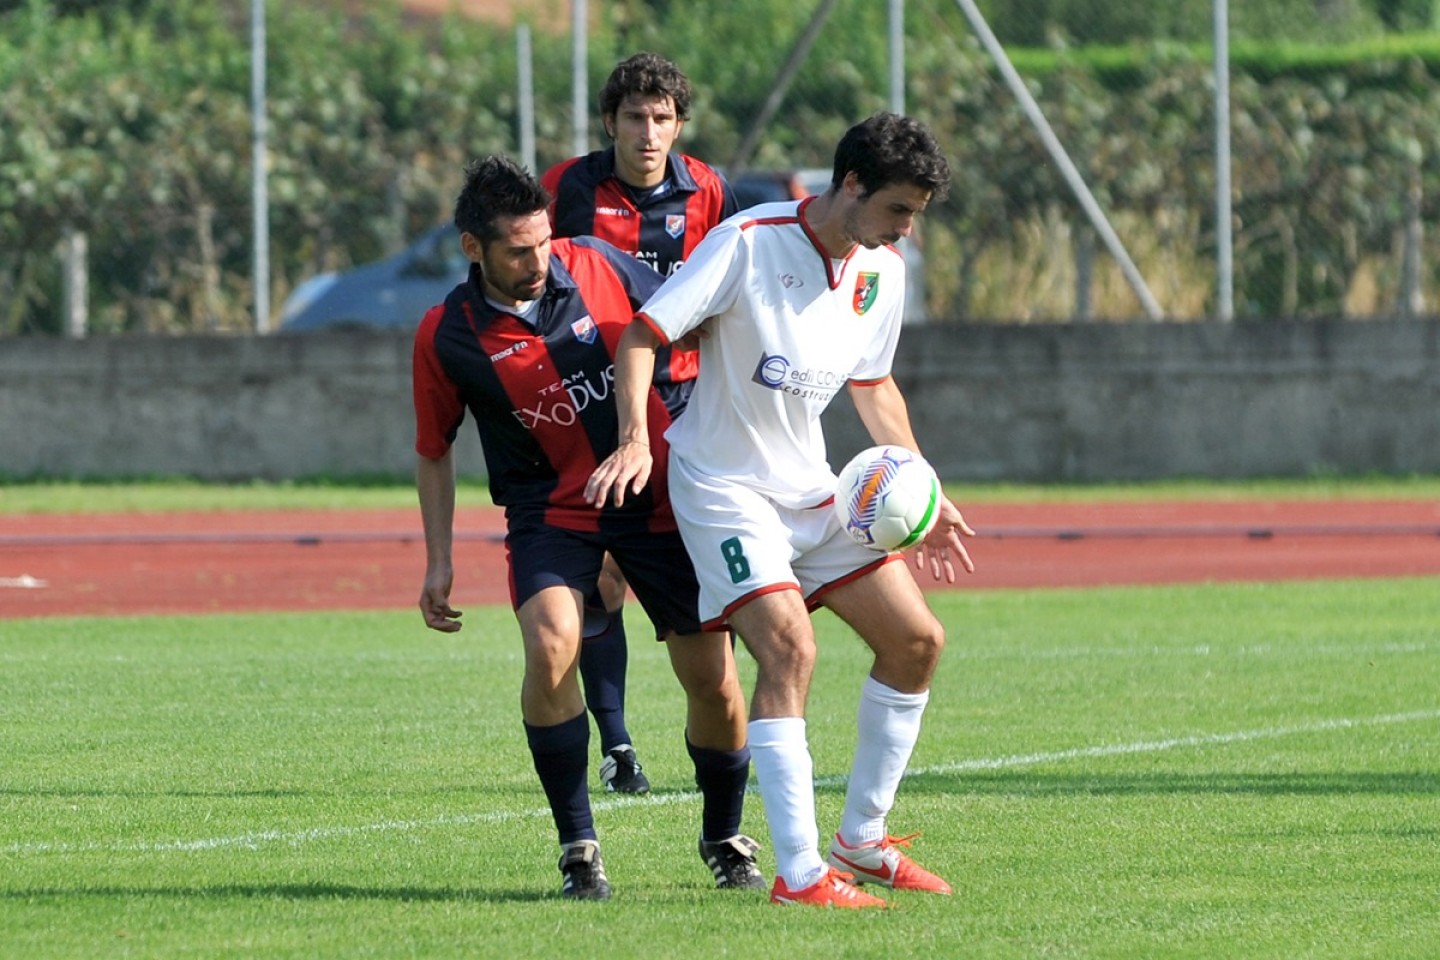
526, 345
654, 203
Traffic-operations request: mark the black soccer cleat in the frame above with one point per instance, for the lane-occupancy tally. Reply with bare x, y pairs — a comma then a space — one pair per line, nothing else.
733, 863
584, 872
621, 772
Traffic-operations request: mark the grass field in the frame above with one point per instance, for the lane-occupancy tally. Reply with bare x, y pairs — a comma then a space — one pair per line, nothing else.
1153, 772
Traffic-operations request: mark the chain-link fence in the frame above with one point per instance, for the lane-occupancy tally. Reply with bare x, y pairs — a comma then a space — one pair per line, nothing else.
129, 126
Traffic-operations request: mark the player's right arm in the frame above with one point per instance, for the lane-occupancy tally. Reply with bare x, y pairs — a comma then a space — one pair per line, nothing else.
629, 466
439, 410
435, 483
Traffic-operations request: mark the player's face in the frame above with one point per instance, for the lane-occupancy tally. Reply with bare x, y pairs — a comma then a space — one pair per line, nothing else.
517, 262
886, 215
644, 129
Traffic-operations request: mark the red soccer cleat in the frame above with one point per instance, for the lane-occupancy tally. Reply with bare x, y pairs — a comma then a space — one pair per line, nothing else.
833, 889
884, 863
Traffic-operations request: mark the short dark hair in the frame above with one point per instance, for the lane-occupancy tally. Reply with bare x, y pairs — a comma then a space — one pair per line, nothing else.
646, 75
495, 187
888, 148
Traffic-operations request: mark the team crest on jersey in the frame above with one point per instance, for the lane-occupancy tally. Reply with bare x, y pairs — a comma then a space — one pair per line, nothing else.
675, 225
584, 329
867, 285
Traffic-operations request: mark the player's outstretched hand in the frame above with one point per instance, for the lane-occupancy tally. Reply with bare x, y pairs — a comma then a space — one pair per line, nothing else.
435, 604
943, 545
628, 468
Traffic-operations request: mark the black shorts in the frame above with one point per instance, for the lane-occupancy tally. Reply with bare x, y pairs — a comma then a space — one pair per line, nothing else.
655, 564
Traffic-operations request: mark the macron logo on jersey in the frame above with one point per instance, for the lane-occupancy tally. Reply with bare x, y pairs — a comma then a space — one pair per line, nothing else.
612, 211
508, 351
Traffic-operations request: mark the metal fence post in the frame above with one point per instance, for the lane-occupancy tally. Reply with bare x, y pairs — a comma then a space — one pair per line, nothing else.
1224, 248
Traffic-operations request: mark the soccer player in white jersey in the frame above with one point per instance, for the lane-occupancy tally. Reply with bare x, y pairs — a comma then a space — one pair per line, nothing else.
798, 300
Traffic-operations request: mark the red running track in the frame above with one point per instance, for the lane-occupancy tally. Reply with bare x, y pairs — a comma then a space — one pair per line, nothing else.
328, 560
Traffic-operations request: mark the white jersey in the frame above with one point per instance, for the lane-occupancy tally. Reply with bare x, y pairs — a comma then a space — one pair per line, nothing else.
789, 328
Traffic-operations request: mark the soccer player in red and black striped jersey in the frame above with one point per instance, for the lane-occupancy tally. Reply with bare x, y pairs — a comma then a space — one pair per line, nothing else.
639, 193
526, 345
654, 203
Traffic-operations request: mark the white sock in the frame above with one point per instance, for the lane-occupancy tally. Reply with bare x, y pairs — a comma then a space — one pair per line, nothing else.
780, 756
889, 724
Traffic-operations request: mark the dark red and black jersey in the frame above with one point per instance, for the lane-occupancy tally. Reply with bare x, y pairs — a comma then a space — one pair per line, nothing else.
658, 227
542, 389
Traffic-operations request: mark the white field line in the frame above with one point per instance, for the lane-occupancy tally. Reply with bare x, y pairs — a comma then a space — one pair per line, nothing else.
1196, 650
1158, 746
297, 837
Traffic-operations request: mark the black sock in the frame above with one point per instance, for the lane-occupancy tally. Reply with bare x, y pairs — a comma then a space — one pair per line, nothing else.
721, 776
603, 662
561, 755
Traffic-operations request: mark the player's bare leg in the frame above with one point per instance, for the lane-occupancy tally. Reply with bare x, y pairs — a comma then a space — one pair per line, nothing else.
777, 631
705, 667
550, 629
889, 612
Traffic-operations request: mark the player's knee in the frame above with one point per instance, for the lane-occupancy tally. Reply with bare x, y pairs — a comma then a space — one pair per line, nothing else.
716, 692
550, 655
915, 652
787, 654
930, 643
924, 650
612, 591
704, 667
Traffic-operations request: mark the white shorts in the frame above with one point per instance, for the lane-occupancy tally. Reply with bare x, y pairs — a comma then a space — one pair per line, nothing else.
744, 545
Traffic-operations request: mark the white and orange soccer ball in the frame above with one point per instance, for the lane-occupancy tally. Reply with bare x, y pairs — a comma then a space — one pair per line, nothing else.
888, 498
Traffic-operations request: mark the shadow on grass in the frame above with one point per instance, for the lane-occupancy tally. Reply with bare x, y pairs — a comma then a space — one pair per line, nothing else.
1299, 783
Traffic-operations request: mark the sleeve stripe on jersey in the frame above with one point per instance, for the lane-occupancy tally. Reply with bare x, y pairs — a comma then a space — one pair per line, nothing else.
654, 328
869, 383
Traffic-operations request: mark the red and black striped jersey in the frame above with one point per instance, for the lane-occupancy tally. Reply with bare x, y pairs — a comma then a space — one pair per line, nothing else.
658, 227
542, 388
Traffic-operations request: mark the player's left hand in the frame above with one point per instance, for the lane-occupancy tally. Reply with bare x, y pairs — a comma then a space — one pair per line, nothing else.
943, 546
627, 468
691, 340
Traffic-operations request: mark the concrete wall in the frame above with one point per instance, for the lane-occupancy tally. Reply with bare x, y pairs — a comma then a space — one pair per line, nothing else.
1022, 403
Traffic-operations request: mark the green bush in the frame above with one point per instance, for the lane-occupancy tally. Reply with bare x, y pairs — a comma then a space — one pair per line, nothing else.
131, 122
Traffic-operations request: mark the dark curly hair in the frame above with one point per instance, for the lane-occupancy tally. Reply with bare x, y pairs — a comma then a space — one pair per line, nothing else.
495, 187
888, 148
646, 75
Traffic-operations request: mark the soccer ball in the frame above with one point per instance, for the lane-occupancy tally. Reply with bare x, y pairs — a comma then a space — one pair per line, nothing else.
888, 498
